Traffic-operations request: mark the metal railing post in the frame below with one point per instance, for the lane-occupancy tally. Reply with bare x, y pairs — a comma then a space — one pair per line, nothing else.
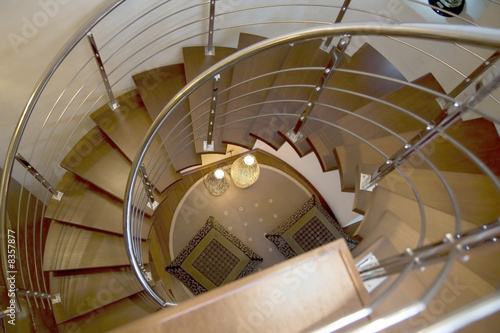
55, 194
210, 49
328, 41
209, 145
469, 80
55, 299
428, 134
149, 188
113, 104
338, 52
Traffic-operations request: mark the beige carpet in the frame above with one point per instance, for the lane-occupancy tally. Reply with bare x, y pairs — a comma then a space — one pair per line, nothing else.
246, 213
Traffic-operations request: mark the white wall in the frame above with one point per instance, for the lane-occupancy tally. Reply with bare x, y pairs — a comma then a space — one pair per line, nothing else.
32, 33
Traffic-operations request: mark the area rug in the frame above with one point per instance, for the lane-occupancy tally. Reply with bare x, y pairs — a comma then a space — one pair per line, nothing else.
249, 213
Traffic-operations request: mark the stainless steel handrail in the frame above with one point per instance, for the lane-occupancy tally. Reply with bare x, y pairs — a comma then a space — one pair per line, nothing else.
21, 126
476, 36
412, 31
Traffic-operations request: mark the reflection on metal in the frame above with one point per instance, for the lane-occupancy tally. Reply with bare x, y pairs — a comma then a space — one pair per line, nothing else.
335, 59
113, 104
364, 181
152, 203
342, 12
208, 146
294, 137
55, 194
210, 49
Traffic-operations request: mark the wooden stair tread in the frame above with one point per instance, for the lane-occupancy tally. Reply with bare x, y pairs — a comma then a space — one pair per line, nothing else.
325, 140
195, 62
157, 87
85, 205
416, 101
70, 247
349, 156
110, 316
303, 54
407, 210
96, 161
319, 144
246, 107
476, 196
479, 136
86, 291
309, 306
366, 59
127, 126
396, 224
410, 289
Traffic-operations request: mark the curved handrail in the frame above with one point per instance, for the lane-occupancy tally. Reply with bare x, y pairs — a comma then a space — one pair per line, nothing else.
47, 75
472, 35
23, 120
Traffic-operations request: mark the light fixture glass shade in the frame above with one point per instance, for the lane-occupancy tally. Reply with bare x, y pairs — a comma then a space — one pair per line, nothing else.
217, 181
245, 171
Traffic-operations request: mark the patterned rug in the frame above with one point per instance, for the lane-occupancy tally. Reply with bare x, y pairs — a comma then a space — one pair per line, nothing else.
246, 213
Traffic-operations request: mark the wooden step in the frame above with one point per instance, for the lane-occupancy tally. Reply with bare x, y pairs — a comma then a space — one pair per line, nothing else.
127, 126
99, 163
477, 197
485, 145
195, 62
294, 87
324, 153
110, 316
283, 298
409, 290
397, 218
242, 108
303, 54
367, 59
348, 157
479, 136
462, 286
157, 87
85, 205
416, 101
70, 247
408, 211
325, 140
88, 290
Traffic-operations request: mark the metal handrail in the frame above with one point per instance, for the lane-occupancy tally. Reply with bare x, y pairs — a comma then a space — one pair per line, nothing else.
23, 120
477, 36
412, 30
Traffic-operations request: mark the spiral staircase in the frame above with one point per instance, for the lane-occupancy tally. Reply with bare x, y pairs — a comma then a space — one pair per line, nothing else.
364, 118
